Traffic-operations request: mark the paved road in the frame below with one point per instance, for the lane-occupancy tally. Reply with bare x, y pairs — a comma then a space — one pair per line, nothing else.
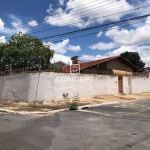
124, 126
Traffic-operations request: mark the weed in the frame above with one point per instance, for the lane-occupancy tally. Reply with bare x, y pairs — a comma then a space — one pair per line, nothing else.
73, 104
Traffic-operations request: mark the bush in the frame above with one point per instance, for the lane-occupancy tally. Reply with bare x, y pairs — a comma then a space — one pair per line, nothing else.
73, 105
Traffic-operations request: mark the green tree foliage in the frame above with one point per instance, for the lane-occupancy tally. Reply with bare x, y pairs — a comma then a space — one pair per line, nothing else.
134, 58
24, 50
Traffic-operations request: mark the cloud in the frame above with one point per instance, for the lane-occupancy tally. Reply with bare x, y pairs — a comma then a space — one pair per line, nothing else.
17, 26
60, 47
103, 46
99, 34
58, 57
15, 21
50, 9
1, 24
32, 23
61, 2
91, 57
2, 39
63, 19
148, 20
132, 36
63, 47
73, 48
84, 13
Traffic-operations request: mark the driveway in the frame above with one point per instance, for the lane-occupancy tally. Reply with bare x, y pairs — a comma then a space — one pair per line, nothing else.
121, 126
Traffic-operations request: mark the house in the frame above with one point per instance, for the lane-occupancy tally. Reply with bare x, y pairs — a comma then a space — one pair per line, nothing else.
147, 69
59, 64
116, 65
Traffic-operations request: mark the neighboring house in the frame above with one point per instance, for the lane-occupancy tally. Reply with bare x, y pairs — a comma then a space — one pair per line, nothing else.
115, 64
147, 69
59, 63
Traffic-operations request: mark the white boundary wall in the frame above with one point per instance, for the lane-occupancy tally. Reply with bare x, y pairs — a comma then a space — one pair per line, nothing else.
51, 86
140, 84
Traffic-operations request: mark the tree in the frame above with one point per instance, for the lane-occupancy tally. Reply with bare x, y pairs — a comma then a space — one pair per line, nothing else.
24, 50
134, 58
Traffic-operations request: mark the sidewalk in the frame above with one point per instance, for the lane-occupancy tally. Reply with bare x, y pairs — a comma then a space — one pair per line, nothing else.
46, 107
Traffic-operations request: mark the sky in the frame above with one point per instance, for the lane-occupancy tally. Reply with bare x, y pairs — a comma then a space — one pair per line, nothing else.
51, 20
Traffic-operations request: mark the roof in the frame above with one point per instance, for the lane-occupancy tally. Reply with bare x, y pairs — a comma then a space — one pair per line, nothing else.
66, 69
147, 68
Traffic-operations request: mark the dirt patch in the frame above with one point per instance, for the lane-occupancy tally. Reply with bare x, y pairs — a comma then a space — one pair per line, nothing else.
24, 106
47, 106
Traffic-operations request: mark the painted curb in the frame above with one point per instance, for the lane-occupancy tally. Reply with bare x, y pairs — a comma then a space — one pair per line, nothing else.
96, 105
27, 112
55, 111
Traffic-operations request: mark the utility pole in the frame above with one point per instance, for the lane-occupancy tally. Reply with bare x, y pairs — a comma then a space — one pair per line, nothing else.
27, 66
39, 20
39, 63
10, 69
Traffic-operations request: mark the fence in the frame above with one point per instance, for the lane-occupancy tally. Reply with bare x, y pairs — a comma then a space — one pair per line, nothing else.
53, 68
9, 71
111, 72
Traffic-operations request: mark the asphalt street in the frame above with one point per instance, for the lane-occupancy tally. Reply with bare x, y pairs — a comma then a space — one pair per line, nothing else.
122, 126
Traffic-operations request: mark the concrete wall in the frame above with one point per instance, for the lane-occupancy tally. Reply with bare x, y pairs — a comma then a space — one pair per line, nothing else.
126, 85
51, 86
15, 87
118, 65
140, 84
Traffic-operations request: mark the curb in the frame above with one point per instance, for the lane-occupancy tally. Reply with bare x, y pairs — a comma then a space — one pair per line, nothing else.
55, 111
96, 105
32, 113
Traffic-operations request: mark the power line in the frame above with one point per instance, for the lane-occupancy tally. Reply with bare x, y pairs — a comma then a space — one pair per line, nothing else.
71, 24
72, 11
112, 28
96, 18
62, 25
95, 27
88, 10
43, 15
101, 30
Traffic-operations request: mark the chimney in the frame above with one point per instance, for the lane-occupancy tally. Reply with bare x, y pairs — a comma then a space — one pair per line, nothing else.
76, 61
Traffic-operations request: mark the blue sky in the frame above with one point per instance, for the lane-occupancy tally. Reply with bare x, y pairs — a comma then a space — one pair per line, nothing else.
45, 18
